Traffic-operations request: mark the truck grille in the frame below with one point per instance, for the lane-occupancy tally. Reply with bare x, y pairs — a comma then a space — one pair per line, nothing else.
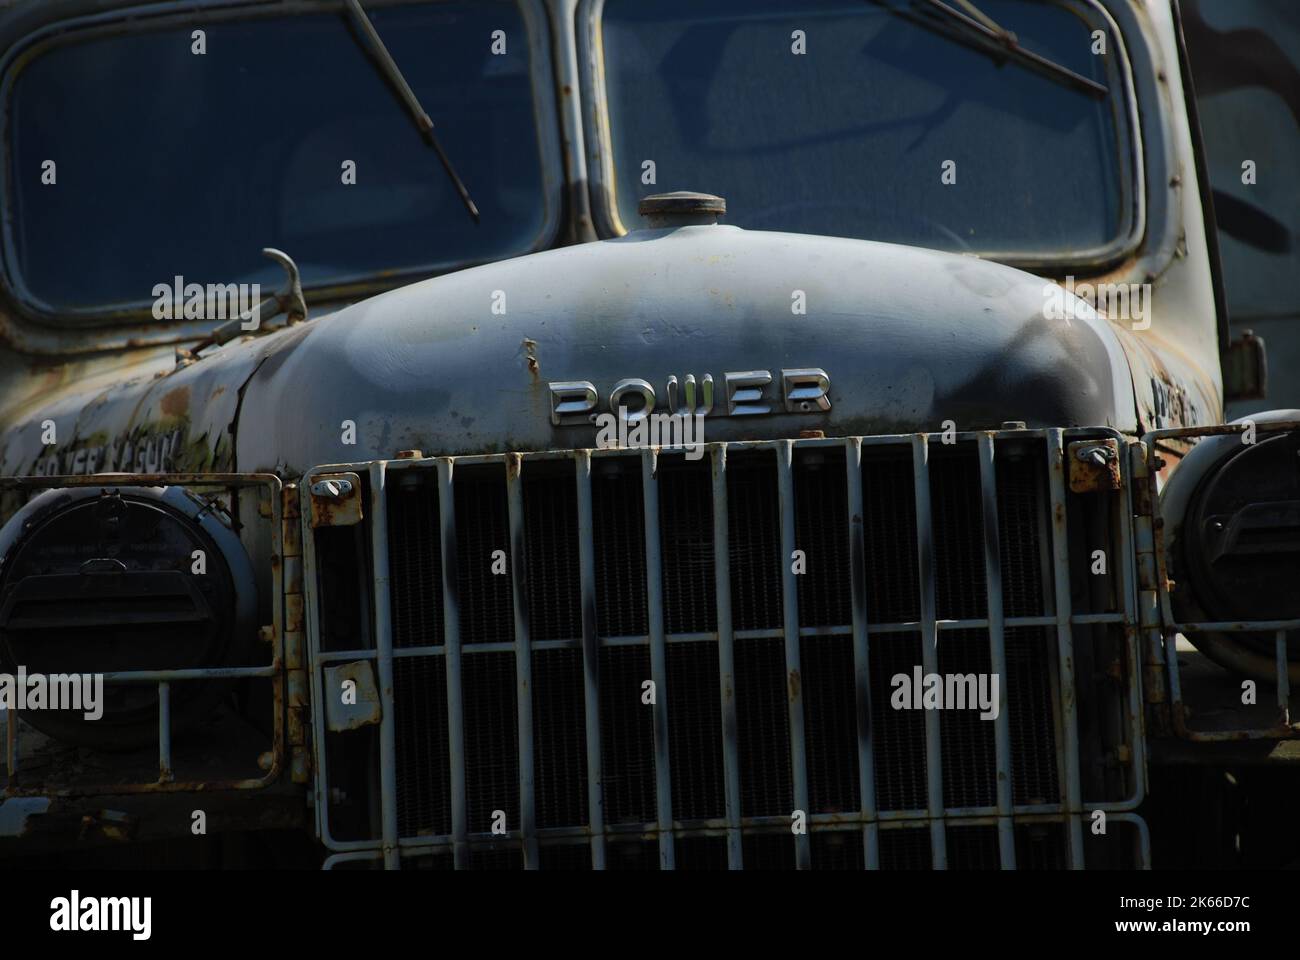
518, 696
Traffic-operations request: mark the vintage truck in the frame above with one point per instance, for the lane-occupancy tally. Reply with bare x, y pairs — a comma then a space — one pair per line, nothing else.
365, 587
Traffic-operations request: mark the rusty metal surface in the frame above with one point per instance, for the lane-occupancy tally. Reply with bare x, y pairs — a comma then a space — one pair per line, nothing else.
148, 418
336, 500
1094, 465
362, 707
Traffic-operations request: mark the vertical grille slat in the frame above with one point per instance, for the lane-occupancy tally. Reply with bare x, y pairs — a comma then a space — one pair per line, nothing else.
726, 656
525, 739
754, 536
857, 533
794, 678
619, 533
521, 690
766, 787
925, 565
659, 712
590, 658
990, 516
627, 740
452, 659
415, 564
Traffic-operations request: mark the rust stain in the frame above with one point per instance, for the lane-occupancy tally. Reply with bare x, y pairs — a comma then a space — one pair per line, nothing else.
176, 402
1086, 473
530, 351
343, 511
794, 684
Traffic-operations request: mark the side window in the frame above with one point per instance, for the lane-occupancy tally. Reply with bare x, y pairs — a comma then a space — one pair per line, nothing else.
1245, 63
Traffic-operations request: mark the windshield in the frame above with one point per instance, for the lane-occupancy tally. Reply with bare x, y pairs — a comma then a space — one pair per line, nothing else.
171, 162
853, 119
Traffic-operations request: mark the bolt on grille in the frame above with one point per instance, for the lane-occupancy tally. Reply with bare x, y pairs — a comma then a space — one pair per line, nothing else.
769, 593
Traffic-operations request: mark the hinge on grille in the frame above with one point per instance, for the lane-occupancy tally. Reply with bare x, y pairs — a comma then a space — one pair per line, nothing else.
336, 500
1094, 466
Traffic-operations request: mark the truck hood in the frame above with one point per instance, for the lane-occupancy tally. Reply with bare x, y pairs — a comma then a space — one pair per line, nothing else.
908, 337
461, 364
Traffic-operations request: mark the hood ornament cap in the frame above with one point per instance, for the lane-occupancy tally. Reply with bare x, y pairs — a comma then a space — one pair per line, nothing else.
681, 208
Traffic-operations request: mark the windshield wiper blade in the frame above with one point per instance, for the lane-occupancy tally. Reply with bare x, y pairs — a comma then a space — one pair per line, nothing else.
982, 33
388, 67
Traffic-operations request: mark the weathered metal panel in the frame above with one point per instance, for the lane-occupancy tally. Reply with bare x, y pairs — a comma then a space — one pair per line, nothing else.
362, 708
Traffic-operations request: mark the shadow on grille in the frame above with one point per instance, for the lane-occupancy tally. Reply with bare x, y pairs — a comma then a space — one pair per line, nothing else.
768, 851
423, 764
626, 736
973, 848
694, 725
1031, 710
763, 725
830, 724
889, 522
491, 739
552, 583
898, 736
821, 517
966, 741
483, 529
552, 589
619, 534
565, 856
754, 527
838, 850
1041, 846
686, 535
560, 751
415, 562
701, 853
905, 848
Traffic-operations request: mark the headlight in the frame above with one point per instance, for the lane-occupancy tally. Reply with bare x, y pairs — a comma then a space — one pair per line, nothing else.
1232, 520
108, 579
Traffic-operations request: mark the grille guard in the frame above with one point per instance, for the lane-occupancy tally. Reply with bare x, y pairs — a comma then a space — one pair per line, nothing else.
1161, 628
1071, 810
273, 761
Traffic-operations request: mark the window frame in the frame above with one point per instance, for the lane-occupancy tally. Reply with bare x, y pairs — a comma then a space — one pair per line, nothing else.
173, 14
1133, 225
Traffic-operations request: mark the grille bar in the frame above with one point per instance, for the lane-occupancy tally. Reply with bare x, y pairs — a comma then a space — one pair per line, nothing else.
590, 658
1162, 619
452, 655
523, 661
793, 672
658, 657
726, 656
997, 647
929, 646
1065, 643
861, 653
690, 809
384, 647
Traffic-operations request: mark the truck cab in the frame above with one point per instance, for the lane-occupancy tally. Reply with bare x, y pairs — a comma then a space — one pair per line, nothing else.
608, 434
